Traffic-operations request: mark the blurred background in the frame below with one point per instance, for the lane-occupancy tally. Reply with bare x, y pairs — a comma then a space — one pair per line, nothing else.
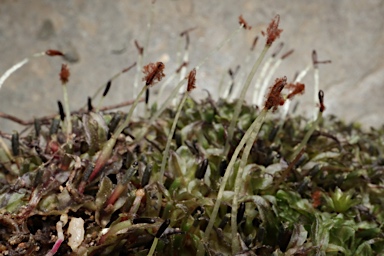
98, 40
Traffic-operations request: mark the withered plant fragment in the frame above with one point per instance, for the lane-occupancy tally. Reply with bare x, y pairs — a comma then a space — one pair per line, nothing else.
274, 97
273, 32
254, 43
186, 34
191, 80
154, 72
316, 62
64, 74
53, 53
182, 65
297, 88
139, 48
286, 55
244, 23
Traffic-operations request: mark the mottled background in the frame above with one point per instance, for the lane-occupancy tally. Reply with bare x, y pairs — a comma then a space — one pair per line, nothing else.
98, 38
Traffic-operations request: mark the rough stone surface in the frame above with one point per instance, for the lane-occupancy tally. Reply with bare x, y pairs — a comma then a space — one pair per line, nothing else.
98, 38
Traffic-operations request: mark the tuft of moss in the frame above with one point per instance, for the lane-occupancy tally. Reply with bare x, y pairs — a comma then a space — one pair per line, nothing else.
330, 202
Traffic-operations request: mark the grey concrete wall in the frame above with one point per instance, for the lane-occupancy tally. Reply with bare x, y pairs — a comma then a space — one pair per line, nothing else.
99, 35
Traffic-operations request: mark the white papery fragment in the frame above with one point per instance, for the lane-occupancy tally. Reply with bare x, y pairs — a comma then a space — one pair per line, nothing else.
76, 233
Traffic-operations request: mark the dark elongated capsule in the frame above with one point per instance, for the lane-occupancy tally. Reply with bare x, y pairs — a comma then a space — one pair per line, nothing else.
198, 211
37, 125
240, 213
177, 137
314, 170
89, 104
197, 214
61, 110
163, 227
3, 169
283, 237
54, 126
137, 149
143, 220
192, 146
38, 177
87, 172
260, 234
273, 133
223, 167
254, 43
201, 169
113, 124
301, 160
303, 186
147, 96
127, 158
321, 100
130, 172
107, 87
146, 175
84, 147
224, 221
15, 144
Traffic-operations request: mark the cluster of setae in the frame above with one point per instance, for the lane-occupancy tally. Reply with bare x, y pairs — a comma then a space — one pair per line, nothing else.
192, 178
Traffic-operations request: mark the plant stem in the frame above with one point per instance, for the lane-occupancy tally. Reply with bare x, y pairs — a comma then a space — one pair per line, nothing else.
260, 78
170, 135
258, 121
153, 247
239, 178
121, 127
18, 65
267, 79
316, 89
67, 111
304, 142
244, 90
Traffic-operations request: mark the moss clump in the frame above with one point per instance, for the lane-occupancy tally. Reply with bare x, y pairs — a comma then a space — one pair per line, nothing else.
330, 202
110, 183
